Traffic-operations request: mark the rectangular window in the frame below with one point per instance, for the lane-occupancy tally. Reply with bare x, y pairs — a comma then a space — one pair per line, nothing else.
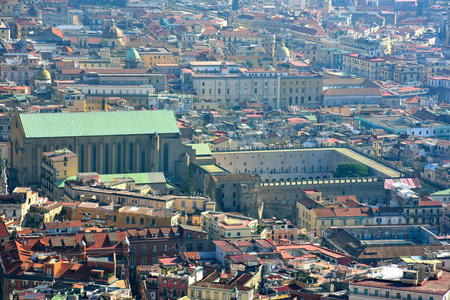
144, 249
366, 291
155, 248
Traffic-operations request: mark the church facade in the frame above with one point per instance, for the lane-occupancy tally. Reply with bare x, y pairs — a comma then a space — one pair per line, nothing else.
105, 142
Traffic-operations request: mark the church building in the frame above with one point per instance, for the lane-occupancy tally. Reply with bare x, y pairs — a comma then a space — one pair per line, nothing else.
105, 142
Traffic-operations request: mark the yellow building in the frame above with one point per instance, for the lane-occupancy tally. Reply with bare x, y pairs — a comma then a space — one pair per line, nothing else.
7, 7
191, 207
303, 89
5, 32
95, 104
153, 56
22, 27
313, 215
215, 286
360, 65
123, 217
76, 105
56, 165
345, 111
52, 211
346, 211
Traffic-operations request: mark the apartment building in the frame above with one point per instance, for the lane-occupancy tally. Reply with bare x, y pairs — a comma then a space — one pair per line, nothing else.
313, 215
276, 88
123, 217
153, 56
149, 244
56, 165
241, 286
16, 205
5, 31
229, 226
412, 286
362, 65
232, 36
370, 47
401, 73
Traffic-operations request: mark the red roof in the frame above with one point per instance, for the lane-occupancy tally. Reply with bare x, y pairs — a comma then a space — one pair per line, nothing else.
3, 231
57, 32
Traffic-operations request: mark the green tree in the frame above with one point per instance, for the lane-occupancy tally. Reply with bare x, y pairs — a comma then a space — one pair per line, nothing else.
249, 63
188, 184
351, 169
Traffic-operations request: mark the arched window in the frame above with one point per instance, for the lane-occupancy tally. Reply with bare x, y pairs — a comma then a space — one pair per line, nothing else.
119, 158
106, 159
82, 158
142, 161
166, 157
94, 158
130, 165
70, 147
44, 148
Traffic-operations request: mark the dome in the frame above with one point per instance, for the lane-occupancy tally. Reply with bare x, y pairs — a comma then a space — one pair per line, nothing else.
112, 32
283, 51
133, 54
43, 75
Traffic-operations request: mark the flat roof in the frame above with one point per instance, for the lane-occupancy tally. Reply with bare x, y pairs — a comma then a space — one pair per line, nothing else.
345, 151
433, 287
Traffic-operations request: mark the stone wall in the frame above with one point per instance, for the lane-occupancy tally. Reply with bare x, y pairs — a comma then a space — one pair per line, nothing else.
285, 172
279, 198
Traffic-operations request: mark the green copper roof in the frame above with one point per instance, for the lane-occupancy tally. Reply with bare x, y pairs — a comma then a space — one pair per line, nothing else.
441, 193
139, 178
201, 149
98, 123
132, 54
60, 183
